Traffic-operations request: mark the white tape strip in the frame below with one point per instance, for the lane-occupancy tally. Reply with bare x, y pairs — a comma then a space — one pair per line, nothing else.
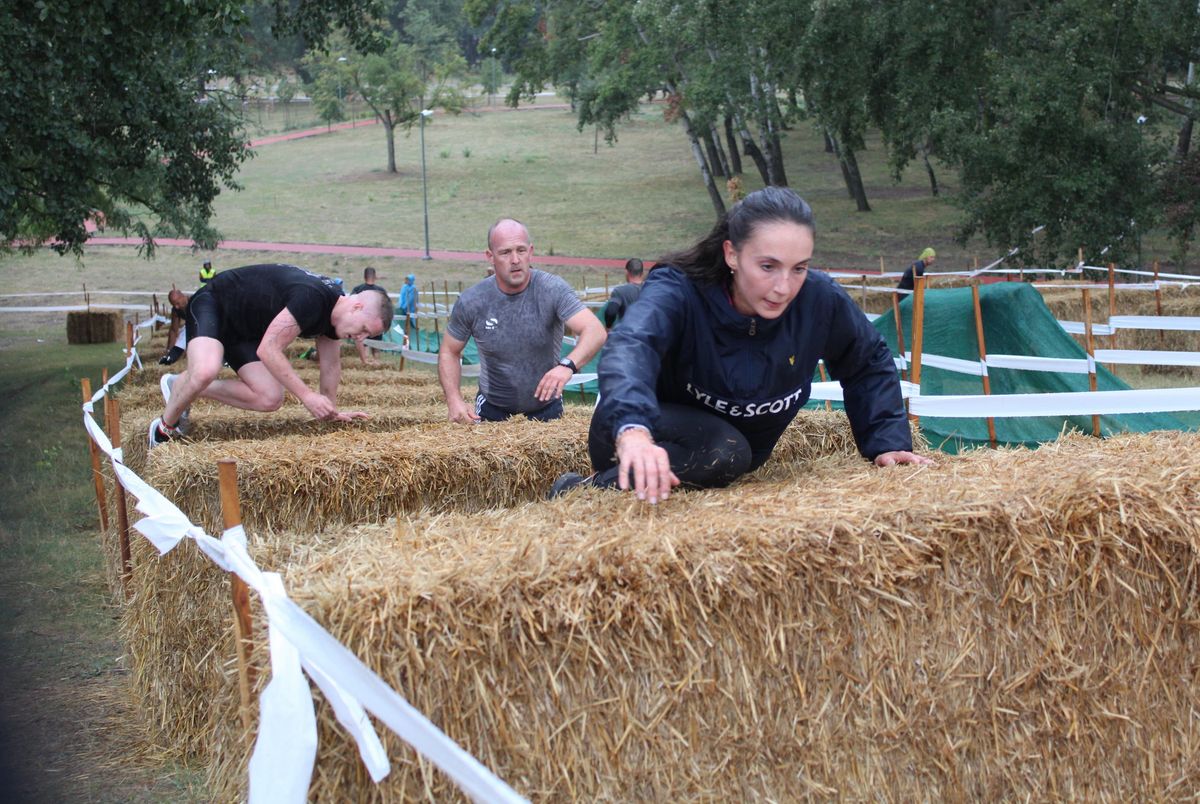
831, 391
1096, 285
1082, 403
1175, 323
1147, 357
1078, 328
951, 364
286, 748
1185, 277
1059, 365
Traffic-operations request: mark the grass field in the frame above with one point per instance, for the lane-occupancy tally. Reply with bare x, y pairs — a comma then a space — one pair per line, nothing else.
60, 661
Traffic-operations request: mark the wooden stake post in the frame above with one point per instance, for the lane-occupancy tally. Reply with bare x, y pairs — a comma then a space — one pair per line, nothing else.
97, 477
231, 516
918, 329
112, 421
1090, 346
987, 385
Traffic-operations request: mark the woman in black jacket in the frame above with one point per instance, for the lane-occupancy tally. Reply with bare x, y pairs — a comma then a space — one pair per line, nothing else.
711, 365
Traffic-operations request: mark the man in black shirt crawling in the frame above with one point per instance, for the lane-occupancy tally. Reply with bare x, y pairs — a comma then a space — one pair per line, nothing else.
246, 317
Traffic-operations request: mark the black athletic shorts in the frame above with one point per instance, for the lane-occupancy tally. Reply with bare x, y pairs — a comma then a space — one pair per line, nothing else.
204, 321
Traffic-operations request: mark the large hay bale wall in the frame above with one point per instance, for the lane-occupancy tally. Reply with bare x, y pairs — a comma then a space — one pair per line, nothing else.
1005, 625
176, 625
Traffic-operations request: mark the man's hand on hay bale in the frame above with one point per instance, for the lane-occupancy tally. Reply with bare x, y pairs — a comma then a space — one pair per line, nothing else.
322, 408
644, 466
461, 413
900, 456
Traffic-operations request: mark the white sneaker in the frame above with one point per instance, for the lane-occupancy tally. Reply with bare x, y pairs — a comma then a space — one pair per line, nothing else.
167, 384
160, 434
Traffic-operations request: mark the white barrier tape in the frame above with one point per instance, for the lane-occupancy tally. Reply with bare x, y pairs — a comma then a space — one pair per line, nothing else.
831, 391
872, 316
901, 361
318, 648
281, 772
1079, 328
949, 364
1187, 278
1077, 403
1175, 323
76, 308
1096, 285
1091, 364
286, 748
152, 320
1059, 365
1147, 357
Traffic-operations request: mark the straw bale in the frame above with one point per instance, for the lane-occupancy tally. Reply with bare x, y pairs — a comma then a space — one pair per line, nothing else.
398, 391
213, 422
178, 629
1008, 624
85, 326
353, 476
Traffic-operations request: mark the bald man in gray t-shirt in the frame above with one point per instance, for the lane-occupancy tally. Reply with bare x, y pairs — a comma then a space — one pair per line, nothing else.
517, 319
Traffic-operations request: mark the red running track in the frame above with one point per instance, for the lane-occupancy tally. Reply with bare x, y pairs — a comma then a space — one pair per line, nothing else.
357, 251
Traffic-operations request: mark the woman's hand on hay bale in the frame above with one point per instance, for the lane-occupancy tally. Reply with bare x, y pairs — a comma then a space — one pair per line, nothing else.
900, 456
644, 466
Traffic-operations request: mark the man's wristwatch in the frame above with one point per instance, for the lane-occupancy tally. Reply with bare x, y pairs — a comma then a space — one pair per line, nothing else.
569, 363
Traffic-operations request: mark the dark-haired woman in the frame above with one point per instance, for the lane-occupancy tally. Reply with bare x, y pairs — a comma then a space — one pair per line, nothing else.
701, 378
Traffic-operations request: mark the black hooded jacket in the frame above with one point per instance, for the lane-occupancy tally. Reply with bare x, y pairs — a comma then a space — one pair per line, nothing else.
684, 342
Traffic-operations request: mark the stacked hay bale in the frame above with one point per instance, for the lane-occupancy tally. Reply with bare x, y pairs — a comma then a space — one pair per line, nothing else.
316, 486
86, 326
1007, 624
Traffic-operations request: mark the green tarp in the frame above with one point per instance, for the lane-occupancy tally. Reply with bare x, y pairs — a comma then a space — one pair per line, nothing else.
1016, 322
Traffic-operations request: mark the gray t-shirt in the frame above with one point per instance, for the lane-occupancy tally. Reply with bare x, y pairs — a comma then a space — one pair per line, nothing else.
519, 337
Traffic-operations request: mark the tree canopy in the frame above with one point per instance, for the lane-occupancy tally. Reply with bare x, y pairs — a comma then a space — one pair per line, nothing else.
104, 115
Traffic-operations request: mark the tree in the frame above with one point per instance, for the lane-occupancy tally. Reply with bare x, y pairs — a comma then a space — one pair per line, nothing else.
1058, 140
104, 115
422, 72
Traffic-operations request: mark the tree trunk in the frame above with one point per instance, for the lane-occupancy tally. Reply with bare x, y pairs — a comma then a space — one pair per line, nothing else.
1184, 144
735, 159
751, 149
715, 163
714, 193
828, 141
767, 130
389, 130
837, 153
933, 185
719, 148
854, 178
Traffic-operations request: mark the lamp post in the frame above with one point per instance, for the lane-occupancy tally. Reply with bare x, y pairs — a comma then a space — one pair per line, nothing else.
341, 60
492, 78
424, 183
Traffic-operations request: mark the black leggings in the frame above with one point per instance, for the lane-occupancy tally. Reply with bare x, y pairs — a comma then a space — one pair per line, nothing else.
705, 450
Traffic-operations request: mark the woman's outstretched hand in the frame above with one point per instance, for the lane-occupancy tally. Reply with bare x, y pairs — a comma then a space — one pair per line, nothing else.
644, 466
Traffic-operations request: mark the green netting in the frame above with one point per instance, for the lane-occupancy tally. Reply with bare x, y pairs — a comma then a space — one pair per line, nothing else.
427, 340
1017, 322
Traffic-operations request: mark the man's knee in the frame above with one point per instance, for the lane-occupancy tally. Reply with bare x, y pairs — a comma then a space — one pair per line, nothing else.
268, 400
202, 373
